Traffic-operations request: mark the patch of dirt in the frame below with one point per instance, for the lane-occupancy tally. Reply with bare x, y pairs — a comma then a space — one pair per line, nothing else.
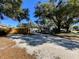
15, 53
5, 42
10, 52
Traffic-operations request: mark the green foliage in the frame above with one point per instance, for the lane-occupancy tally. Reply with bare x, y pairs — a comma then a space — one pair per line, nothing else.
4, 32
12, 9
24, 14
76, 27
44, 10
62, 15
73, 2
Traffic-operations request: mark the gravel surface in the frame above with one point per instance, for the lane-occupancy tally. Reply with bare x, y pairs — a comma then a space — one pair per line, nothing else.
48, 47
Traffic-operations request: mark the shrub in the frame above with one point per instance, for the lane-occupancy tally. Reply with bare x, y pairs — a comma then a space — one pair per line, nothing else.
23, 30
4, 32
20, 30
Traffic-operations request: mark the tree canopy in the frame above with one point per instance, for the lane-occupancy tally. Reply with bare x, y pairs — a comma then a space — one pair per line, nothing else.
62, 14
12, 9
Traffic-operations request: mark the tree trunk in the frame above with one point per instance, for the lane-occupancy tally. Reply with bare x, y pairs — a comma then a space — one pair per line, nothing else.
59, 27
67, 29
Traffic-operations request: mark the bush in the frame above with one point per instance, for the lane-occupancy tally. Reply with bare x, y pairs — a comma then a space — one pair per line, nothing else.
54, 31
23, 31
4, 32
20, 30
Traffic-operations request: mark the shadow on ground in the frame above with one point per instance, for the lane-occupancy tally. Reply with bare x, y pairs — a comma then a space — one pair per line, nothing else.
40, 39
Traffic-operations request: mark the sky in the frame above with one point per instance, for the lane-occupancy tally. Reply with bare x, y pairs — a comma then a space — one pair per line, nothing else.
26, 4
